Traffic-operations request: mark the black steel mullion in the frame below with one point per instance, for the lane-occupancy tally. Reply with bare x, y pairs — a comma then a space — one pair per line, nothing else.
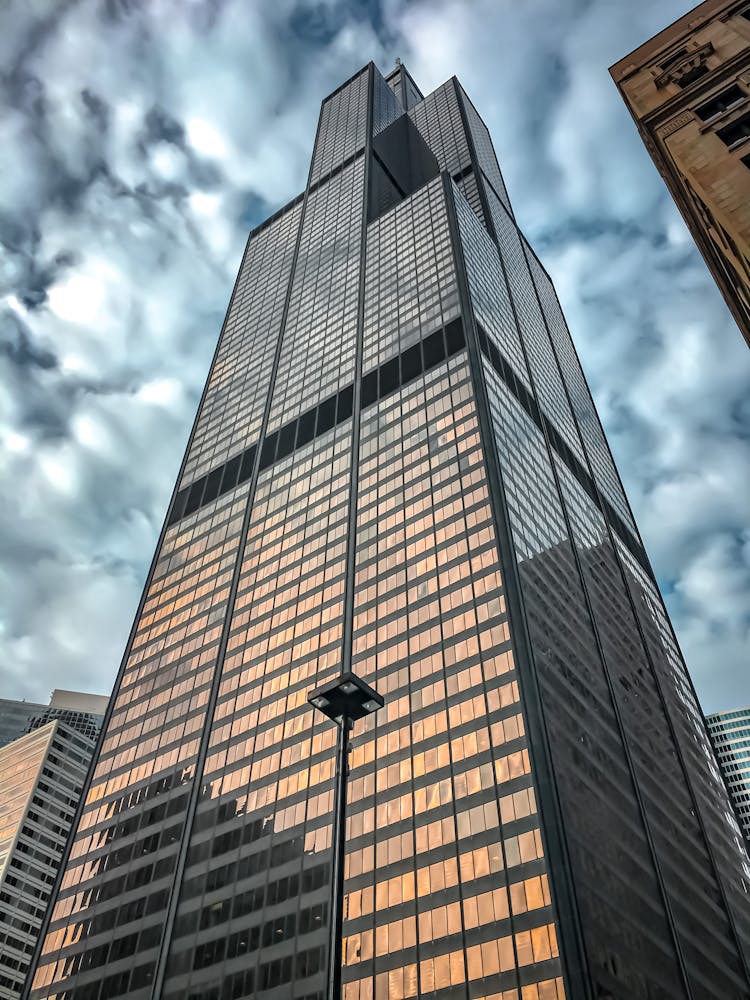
160, 972
64, 858
351, 540
351, 550
657, 682
604, 503
544, 428
555, 837
479, 172
621, 728
573, 949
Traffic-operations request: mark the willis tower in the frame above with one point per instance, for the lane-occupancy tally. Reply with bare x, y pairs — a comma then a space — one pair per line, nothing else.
397, 468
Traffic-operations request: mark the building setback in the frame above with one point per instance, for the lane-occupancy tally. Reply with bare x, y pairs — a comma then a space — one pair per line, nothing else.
688, 90
41, 777
730, 735
397, 467
82, 712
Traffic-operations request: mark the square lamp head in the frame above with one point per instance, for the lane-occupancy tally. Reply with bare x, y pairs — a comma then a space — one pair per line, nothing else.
346, 697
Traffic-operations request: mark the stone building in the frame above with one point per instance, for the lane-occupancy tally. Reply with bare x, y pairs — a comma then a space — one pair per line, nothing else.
688, 89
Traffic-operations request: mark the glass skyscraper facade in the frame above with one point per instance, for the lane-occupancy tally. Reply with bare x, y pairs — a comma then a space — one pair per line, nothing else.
82, 712
41, 777
730, 735
397, 468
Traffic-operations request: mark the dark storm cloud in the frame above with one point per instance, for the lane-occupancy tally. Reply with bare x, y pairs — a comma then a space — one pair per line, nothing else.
160, 126
98, 110
143, 139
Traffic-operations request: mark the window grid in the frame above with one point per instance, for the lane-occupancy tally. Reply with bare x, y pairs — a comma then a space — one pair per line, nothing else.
232, 410
318, 349
343, 121
438, 118
443, 845
490, 298
548, 382
469, 189
41, 775
730, 736
602, 465
580, 714
147, 760
386, 105
730, 854
677, 835
410, 279
264, 816
485, 151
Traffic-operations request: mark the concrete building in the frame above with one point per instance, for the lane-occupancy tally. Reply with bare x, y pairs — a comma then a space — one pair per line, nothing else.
41, 777
397, 469
688, 89
82, 712
730, 735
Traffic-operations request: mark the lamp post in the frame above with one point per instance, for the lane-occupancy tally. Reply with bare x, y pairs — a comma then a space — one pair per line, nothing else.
343, 701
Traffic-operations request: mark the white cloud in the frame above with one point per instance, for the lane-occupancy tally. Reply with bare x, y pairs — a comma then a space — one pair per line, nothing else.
161, 392
60, 469
168, 162
16, 442
206, 139
146, 143
78, 299
204, 204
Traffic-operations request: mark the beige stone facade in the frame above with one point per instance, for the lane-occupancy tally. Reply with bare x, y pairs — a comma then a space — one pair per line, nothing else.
688, 89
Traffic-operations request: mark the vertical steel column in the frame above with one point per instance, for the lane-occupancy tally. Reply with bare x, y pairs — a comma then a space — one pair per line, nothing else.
81, 804
573, 957
338, 844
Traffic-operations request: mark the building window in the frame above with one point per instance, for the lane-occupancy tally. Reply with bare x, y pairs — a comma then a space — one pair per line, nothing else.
672, 59
722, 102
736, 132
691, 74
746, 161
684, 66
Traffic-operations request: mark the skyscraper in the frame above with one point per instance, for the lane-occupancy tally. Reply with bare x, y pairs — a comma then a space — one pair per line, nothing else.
730, 735
82, 712
688, 90
41, 777
397, 467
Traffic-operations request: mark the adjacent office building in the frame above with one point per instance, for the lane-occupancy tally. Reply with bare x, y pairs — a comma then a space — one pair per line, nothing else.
41, 777
397, 467
82, 712
688, 89
730, 735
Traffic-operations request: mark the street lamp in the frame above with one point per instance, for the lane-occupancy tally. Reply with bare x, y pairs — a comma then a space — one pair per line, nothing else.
343, 701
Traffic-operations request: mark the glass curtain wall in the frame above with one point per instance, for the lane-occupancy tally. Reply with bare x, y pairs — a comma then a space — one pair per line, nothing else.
397, 467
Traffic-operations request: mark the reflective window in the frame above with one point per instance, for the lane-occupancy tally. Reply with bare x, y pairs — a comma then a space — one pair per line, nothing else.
443, 840
231, 412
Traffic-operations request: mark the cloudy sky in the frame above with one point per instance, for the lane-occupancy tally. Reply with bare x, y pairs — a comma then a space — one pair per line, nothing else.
139, 141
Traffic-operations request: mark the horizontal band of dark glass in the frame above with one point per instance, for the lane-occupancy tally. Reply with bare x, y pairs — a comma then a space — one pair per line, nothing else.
339, 168
531, 407
421, 357
463, 173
